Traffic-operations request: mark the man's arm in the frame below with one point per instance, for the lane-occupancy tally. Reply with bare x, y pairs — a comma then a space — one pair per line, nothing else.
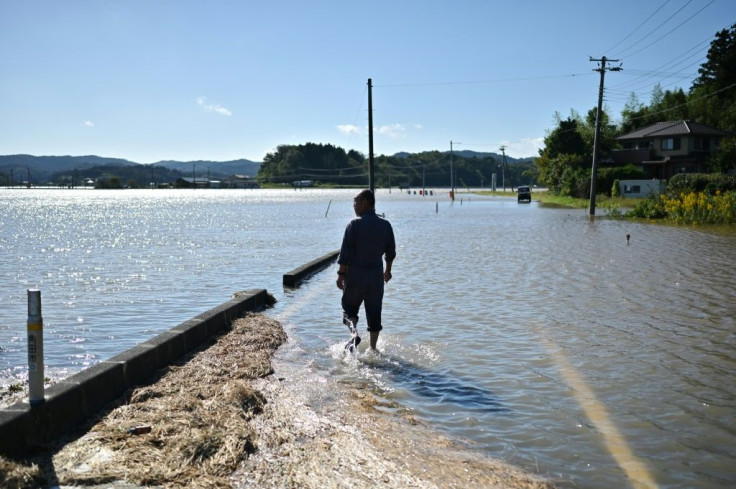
390, 254
387, 272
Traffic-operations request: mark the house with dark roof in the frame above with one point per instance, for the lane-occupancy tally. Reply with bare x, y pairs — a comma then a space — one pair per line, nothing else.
667, 148
189, 182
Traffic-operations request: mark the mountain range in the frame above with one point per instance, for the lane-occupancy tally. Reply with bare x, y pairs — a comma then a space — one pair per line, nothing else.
40, 168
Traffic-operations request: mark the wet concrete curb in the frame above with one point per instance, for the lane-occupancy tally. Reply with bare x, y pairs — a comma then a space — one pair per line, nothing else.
296, 276
25, 429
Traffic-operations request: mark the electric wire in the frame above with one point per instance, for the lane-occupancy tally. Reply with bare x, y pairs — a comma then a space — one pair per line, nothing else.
479, 82
638, 27
673, 29
623, 52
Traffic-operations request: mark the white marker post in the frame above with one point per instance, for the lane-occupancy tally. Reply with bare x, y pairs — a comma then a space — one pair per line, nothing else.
35, 348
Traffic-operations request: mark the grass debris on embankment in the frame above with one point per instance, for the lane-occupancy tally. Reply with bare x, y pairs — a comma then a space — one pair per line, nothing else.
198, 409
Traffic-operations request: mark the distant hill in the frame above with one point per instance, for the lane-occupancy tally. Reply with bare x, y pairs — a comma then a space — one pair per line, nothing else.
475, 154
40, 168
219, 168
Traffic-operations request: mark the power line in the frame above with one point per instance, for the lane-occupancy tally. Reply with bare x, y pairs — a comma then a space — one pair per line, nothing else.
639, 26
621, 53
674, 29
658, 75
479, 82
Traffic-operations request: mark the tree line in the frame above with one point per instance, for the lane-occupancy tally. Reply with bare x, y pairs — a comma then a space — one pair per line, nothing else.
112, 177
331, 165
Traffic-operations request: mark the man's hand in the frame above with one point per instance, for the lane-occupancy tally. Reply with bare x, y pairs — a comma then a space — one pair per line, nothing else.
341, 282
387, 275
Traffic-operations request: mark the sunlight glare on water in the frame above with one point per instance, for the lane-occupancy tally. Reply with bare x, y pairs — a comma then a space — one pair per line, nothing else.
534, 335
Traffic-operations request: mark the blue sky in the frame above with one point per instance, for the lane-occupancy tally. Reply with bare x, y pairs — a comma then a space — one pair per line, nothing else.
220, 80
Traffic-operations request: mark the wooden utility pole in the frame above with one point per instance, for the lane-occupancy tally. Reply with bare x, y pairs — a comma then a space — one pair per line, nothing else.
452, 177
504, 166
593, 173
371, 164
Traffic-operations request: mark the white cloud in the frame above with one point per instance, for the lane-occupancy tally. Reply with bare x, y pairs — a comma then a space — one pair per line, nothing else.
89, 123
524, 148
348, 129
217, 108
393, 130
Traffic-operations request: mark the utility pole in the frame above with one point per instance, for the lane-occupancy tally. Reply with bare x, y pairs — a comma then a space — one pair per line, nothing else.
371, 171
503, 169
452, 177
602, 70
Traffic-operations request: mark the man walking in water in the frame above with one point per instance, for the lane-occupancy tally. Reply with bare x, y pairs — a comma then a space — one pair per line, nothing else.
367, 239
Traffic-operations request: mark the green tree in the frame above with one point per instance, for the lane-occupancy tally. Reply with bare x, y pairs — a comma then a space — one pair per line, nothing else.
558, 172
713, 93
310, 161
719, 71
609, 131
566, 138
724, 159
109, 182
564, 156
663, 106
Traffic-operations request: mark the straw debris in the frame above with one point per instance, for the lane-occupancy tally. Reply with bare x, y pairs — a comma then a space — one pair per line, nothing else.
198, 411
20, 476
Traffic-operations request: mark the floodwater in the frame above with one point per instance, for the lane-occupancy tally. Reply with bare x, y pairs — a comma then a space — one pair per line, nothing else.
537, 336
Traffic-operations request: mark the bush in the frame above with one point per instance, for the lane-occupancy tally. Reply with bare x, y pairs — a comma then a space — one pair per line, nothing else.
690, 208
710, 183
651, 208
702, 208
576, 183
615, 192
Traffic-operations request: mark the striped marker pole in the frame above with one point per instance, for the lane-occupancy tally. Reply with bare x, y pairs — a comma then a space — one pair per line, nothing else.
35, 348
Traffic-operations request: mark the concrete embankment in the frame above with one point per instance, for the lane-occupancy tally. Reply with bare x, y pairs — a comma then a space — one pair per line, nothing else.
299, 274
67, 403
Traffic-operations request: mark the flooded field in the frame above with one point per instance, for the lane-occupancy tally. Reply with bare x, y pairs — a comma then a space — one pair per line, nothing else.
533, 335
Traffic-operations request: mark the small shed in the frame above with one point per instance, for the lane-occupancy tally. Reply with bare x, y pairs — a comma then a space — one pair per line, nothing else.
641, 188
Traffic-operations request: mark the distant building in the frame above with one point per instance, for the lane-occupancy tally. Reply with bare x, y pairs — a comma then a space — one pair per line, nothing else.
189, 182
665, 149
239, 181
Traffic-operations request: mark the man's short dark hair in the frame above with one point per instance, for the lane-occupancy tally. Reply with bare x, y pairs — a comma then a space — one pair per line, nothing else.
368, 196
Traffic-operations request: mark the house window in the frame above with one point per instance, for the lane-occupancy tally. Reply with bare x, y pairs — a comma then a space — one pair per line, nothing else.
632, 189
702, 144
670, 144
